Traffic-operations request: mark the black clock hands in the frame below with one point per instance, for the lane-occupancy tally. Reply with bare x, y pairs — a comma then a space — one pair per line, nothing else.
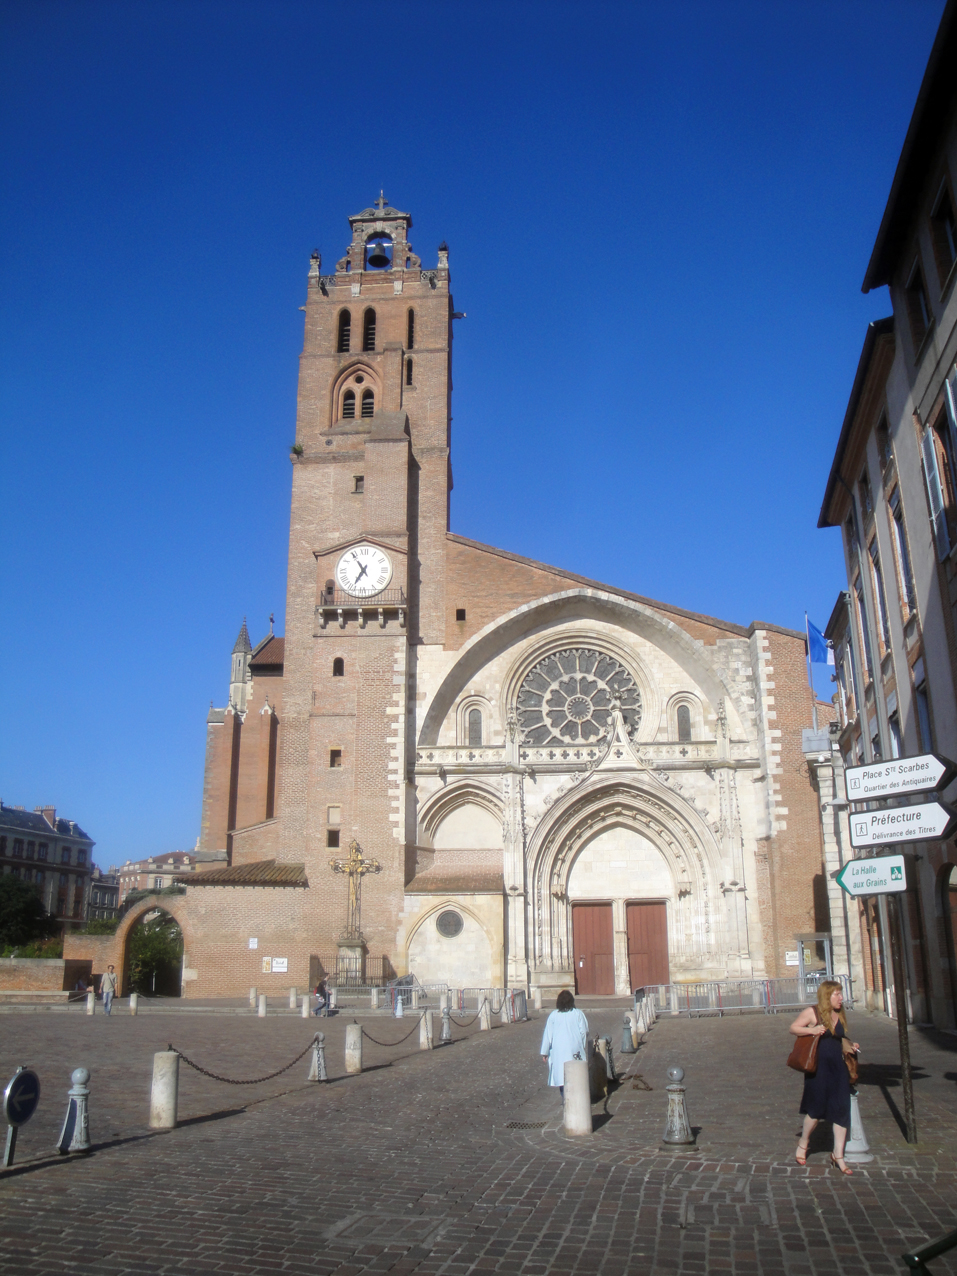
362, 572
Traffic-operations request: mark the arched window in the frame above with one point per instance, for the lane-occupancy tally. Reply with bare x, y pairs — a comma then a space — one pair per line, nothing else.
368, 402
338, 667
475, 728
683, 718
368, 330
345, 332
410, 343
408, 372
349, 403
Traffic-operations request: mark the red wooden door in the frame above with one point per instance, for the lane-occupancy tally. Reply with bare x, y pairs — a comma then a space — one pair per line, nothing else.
647, 944
594, 948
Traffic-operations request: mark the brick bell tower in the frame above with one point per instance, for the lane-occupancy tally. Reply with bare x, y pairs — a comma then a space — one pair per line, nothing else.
370, 500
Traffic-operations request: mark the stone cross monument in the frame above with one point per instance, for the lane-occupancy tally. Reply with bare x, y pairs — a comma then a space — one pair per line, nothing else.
352, 946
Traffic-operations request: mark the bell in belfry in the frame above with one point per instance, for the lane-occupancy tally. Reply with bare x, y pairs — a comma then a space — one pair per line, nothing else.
378, 257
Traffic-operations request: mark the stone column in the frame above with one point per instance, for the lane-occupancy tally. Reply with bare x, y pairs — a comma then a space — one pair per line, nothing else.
513, 841
620, 923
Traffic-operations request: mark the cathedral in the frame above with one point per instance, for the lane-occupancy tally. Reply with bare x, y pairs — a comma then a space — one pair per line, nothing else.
465, 765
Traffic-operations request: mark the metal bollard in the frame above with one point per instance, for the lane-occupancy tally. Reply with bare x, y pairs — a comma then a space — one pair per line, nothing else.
164, 1095
293, 998
446, 1026
677, 1126
485, 1016
627, 1045
374, 998
603, 1046
253, 996
90, 1001
415, 998
317, 1066
262, 1005
425, 1030
354, 1048
577, 1113
75, 1135
537, 998
134, 1002
399, 1008
857, 1150
305, 1005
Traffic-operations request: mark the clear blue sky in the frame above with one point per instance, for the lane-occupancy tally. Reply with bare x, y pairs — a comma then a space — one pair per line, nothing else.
659, 218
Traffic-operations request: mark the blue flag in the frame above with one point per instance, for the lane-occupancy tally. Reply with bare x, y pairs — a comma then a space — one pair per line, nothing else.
818, 651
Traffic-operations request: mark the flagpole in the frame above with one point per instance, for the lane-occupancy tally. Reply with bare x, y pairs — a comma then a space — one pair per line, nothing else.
810, 677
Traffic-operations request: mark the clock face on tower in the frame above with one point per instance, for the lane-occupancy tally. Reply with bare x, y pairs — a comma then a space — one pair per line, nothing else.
363, 571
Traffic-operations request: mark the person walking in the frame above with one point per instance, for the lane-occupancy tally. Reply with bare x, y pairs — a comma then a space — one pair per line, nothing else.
827, 1092
108, 988
565, 1038
322, 999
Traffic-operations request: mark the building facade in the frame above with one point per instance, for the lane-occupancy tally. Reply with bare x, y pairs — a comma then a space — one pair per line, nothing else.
54, 855
543, 779
104, 900
154, 873
892, 491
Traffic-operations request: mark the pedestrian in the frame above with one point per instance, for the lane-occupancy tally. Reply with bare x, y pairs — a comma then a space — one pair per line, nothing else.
322, 1000
827, 1091
565, 1038
108, 988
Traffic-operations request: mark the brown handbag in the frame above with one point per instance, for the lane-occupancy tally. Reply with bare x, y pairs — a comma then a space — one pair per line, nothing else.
850, 1058
803, 1056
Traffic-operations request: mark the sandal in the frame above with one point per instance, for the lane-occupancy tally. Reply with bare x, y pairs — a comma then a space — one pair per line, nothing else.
838, 1163
801, 1154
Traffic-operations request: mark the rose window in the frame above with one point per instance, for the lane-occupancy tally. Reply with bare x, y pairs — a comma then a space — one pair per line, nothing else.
568, 697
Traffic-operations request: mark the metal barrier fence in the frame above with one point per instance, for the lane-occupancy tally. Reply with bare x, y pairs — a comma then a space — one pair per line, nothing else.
736, 996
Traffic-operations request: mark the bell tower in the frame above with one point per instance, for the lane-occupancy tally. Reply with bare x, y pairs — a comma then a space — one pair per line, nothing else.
367, 548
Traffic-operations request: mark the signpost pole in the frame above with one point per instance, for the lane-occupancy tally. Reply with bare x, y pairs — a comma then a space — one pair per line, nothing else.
900, 999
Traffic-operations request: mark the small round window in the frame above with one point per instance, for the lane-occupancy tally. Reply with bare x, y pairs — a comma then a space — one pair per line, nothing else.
449, 923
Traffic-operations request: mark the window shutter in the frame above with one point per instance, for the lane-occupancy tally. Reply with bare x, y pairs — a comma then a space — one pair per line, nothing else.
935, 493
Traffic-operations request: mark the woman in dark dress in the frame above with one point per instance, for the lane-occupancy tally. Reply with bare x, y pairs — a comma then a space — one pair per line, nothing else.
827, 1092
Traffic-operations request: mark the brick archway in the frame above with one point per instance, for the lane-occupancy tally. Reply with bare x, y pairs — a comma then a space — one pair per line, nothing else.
171, 904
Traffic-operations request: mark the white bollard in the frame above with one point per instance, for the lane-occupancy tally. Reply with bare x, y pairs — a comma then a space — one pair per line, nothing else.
293, 998
262, 1005
485, 1016
134, 1002
443, 1000
425, 1030
857, 1150
90, 1001
164, 1095
678, 1131
75, 1135
537, 998
354, 1047
374, 998
305, 1005
317, 1066
577, 1098
253, 996
399, 1007
415, 998
333, 997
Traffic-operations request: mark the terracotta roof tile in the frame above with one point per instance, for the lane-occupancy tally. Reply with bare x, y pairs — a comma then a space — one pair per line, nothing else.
269, 652
262, 873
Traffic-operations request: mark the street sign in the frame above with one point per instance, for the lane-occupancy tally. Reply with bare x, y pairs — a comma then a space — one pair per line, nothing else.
873, 877
923, 774
926, 821
21, 1097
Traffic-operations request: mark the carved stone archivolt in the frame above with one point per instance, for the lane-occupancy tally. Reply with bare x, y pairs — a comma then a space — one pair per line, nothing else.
568, 697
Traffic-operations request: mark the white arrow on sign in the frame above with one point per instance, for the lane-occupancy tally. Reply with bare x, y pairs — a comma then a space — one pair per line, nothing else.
897, 776
929, 820
873, 877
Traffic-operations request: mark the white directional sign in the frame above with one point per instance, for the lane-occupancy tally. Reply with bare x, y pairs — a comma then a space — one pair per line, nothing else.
902, 824
873, 877
897, 776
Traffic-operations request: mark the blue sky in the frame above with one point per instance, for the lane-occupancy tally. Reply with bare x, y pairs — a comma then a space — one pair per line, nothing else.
659, 218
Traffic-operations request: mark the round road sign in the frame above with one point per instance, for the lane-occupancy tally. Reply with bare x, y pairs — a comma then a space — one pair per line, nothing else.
21, 1097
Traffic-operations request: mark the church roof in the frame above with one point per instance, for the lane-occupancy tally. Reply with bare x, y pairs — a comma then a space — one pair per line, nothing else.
269, 653
242, 642
262, 873
445, 881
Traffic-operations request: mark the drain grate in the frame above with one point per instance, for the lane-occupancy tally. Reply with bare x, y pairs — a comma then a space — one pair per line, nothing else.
525, 1125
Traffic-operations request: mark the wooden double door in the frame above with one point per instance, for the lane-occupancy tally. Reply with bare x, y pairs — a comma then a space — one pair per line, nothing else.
594, 939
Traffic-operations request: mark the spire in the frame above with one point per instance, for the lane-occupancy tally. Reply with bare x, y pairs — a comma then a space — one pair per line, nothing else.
242, 642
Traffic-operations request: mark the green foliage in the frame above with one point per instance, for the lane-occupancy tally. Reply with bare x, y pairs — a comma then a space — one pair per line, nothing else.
39, 948
23, 919
101, 926
156, 955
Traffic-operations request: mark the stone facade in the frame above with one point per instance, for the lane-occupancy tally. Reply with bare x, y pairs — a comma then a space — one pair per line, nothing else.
504, 739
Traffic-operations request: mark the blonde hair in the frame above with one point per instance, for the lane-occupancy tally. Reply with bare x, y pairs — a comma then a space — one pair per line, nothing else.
824, 1008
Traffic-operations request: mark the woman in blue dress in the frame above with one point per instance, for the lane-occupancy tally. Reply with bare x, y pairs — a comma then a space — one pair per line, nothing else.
565, 1038
827, 1092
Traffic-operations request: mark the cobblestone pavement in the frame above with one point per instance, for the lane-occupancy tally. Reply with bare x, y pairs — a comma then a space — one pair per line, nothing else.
455, 1162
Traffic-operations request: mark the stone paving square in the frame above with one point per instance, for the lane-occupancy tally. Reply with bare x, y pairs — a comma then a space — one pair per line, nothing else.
455, 1161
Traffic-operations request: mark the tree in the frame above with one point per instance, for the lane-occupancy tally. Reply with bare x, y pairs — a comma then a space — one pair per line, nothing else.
23, 918
156, 955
